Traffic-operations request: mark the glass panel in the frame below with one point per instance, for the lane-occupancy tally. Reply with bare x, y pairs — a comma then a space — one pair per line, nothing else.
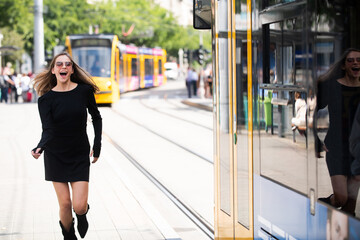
224, 126
160, 67
284, 105
223, 91
337, 38
222, 16
149, 67
121, 68
134, 67
95, 60
242, 113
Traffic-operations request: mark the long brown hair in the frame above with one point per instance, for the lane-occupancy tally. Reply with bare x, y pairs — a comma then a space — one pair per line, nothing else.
46, 80
336, 71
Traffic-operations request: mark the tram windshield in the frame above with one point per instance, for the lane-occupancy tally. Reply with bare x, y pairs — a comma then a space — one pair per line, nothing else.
95, 60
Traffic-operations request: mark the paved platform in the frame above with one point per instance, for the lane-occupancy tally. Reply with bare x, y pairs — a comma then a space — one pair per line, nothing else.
28, 204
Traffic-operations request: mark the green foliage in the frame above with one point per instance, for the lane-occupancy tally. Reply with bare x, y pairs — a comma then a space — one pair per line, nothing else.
152, 25
12, 38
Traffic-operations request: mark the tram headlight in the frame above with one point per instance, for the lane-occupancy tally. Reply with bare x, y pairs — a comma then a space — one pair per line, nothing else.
108, 84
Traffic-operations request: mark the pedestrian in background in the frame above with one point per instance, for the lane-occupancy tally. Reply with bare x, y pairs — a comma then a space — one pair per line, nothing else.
7, 82
66, 91
14, 87
188, 81
25, 87
194, 81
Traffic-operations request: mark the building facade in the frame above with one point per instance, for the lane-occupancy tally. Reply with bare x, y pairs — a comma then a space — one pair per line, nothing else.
181, 9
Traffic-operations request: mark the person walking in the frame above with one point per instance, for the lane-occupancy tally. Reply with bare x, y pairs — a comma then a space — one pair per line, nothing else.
188, 81
66, 91
194, 81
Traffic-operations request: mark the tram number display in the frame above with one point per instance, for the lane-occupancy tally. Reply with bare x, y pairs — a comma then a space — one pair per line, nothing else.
91, 42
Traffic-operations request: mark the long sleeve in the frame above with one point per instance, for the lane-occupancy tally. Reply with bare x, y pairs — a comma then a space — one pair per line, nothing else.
97, 122
355, 136
46, 120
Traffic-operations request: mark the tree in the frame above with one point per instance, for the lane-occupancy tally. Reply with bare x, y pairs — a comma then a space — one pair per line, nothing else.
148, 24
11, 39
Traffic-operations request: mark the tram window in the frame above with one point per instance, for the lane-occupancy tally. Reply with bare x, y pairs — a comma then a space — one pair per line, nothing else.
134, 66
283, 138
242, 133
160, 66
95, 60
224, 143
149, 66
121, 70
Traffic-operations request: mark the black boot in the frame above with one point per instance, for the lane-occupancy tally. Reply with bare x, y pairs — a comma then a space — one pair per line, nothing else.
68, 235
326, 200
83, 224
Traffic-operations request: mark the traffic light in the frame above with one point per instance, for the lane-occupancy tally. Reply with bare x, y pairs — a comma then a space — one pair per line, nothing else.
200, 57
187, 55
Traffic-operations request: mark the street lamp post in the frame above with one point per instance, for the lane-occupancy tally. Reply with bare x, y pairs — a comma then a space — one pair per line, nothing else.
39, 49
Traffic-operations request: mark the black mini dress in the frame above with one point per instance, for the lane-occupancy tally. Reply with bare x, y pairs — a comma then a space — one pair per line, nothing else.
342, 102
64, 139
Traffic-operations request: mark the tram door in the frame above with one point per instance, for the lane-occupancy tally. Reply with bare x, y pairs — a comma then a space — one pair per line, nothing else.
233, 216
242, 125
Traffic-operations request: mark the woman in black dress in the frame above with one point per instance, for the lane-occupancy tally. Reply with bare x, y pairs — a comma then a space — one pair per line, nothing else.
66, 91
339, 90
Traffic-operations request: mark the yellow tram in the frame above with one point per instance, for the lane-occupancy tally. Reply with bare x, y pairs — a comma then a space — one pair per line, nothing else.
116, 67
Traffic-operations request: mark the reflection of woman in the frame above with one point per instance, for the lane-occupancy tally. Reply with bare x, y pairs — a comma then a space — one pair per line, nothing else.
339, 90
66, 92
355, 143
337, 226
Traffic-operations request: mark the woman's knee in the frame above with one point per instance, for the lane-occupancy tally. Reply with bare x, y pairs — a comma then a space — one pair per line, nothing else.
80, 208
340, 200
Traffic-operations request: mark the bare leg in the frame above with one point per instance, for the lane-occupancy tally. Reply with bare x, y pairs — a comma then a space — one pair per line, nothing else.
339, 185
353, 190
80, 197
80, 191
63, 194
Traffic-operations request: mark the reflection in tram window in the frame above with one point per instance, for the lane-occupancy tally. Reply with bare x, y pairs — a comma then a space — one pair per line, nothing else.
339, 91
284, 106
223, 118
224, 128
242, 126
338, 27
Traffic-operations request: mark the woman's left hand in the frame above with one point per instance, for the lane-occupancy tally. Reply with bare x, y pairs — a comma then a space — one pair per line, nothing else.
95, 158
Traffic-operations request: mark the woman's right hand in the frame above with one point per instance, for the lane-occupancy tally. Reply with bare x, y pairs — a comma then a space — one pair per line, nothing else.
36, 154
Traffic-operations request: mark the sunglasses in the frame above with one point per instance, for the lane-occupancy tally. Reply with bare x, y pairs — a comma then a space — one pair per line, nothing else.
60, 64
351, 60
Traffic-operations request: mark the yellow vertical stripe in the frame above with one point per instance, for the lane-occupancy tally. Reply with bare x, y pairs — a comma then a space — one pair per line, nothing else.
250, 112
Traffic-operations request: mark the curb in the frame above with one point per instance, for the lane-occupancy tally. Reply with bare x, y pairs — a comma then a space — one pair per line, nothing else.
198, 105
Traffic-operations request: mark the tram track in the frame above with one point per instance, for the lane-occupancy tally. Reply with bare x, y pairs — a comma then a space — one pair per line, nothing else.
196, 218
174, 116
162, 136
